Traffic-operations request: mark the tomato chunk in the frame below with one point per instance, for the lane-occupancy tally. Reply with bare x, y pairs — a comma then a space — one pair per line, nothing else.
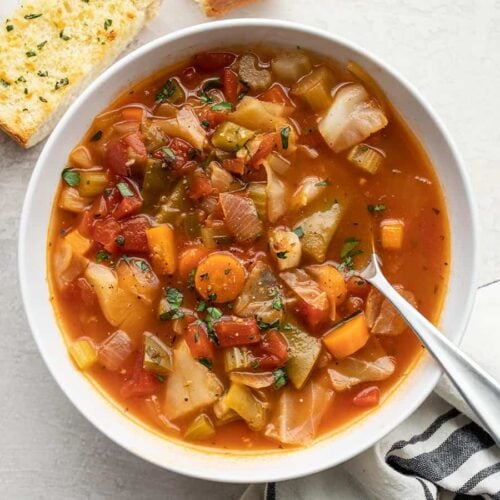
276, 94
367, 397
234, 165
275, 351
210, 61
212, 118
134, 234
129, 205
266, 147
105, 232
199, 185
230, 85
142, 383
137, 148
314, 317
116, 157
235, 331
197, 339
358, 286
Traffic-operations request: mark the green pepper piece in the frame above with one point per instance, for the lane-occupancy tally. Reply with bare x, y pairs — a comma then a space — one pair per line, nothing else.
174, 205
156, 182
171, 92
157, 356
230, 137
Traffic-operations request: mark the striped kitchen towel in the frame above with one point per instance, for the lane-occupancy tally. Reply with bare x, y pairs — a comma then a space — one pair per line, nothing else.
438, 453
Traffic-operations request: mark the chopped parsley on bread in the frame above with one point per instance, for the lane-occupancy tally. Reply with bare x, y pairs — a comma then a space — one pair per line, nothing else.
51, 49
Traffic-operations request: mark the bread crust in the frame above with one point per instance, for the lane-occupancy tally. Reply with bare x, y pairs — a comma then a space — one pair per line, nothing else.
216, 8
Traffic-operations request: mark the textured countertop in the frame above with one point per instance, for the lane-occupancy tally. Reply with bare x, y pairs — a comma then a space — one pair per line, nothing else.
449, 49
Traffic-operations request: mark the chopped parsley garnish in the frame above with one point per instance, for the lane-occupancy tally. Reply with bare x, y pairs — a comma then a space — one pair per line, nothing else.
30, 53
212, 297
120, 240
227, 271
280, 378
96, 137
9, 27
71, 177
205, 123
299, 231
4, 83
168, 90
324, 182
42, 45
43, 73
348, 252
267, 326
102, 255
61, 83
124, 189
204, 97
207, 363
190, 279
204, 276
213, 83
201, 306
285, 134
63, 36
42, 99
142, 265
213, 314
21, 79
277, 303
31, 16
222, 106
174, 297
169, 154
281, 255
373, 209
107, 23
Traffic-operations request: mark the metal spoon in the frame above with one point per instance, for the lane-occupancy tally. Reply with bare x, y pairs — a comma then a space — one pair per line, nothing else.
477, 387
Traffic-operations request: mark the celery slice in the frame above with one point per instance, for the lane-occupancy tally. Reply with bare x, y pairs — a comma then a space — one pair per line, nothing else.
83, 353
201, 428
365, 157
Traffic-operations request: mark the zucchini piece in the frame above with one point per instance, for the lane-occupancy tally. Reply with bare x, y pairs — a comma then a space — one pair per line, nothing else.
201, 428
242, 400
230, 137
176, 204
365, 157
156, 182
83, 353
92, 183
157, 356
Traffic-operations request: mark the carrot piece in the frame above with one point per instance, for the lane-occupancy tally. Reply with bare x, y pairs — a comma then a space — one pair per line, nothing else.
230, 84
367, 397
391, 234
332, 283
189, 259
132, 113
266, 147
161, 243
347, 337
237, 331
276, 94
220, 277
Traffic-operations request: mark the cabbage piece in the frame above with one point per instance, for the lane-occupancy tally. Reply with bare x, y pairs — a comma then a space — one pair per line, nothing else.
191, 386
306, 288
258, 295
243, 401
369, 364
303, 354
381, 316
308, 190
298, 415
276, 195
115, 350
240, 216
319, 229
353, 116
259, 115
67, 264
126, 294
255, 380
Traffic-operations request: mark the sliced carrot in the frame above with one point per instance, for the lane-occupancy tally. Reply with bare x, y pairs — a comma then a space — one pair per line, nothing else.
347, 337
391, 233
161, 241
189, 259
132, 113
276, 94
220, 277
367, 397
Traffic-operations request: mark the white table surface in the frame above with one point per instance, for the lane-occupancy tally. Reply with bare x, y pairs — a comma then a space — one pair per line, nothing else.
449, 49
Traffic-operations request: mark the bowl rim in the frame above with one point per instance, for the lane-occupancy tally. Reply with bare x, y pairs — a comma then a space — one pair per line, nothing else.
23, 246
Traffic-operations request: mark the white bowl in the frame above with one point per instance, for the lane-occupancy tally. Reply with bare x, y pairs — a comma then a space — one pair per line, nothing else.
102, 413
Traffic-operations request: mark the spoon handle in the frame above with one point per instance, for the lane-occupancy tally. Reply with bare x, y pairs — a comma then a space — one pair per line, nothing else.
477, 387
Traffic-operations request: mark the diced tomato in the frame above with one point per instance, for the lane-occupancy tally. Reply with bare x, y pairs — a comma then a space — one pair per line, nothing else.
230, 84
134, 233
276, 94
275, 350
182, 163
313, 317
116, 157
213, 118
266, 147
132, 113
358, 286
237, 331
87, 293
142, 383
199, 185
130, 205
105, 232
234, 165
199, 343
137, 148
210, 61
367, 397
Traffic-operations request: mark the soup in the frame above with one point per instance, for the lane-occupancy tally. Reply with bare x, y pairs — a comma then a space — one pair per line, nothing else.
205, 239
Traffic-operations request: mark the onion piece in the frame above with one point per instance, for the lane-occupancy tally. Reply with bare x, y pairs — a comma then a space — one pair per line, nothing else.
67, 265
220, 178
252, 379
240, 216
306, 288
352, 118
276, 195
113, 352
308, 190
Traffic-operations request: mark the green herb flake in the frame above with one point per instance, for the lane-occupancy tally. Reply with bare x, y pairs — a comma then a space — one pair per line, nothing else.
374, 209
102, 255
107, 23
285, 134
267, 326
348, 252
227, 271
4, 83
9, 27
160, 378
201, 306
31, 16
168, 90
61, 83
204, 97
30, 53
42, 99
42, 45
324, 182
124, 189
207, 363
42, 74
280, 378
214, 313
190, 279
277, 303
213, 83
71, 177
281, 255
63, 36
97, 136
222, 106
299, 231
204, 276
212, 297
174, 297
169, 154
21, 79
142, 265
205, 124
120, 240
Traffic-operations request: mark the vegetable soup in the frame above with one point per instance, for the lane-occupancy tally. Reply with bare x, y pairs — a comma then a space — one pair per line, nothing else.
205, 239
